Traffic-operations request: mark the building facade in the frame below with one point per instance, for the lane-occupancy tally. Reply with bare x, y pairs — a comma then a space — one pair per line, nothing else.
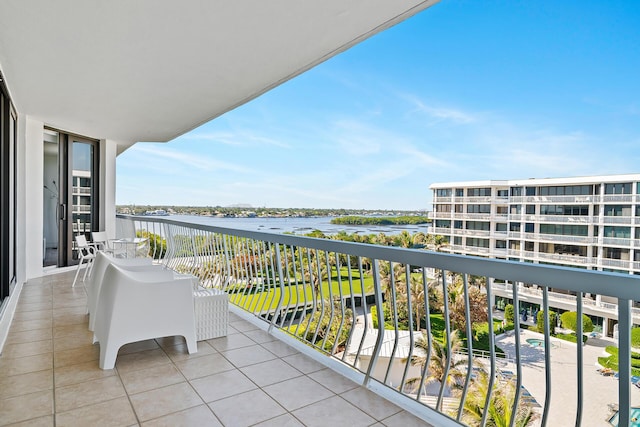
583, 222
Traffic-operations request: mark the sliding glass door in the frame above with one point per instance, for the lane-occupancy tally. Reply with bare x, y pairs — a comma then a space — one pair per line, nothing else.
8, 201
70, 195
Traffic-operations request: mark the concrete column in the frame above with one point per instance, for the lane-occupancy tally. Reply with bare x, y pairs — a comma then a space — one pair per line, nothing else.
107, 214
33, 196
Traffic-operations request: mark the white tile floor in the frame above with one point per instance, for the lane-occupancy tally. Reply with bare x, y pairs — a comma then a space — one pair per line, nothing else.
49, 376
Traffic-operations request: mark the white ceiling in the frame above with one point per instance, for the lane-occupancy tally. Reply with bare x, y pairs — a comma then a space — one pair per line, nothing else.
151, 70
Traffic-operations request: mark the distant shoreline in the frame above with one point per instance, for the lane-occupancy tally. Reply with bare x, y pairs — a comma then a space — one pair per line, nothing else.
381, 220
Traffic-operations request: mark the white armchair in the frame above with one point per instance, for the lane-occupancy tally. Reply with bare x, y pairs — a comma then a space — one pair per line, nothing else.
134, 307
97, 275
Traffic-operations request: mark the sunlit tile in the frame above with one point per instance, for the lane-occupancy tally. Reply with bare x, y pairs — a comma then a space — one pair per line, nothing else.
246, 409
163, 401
116, 412
88, 393
197, 416
333, 411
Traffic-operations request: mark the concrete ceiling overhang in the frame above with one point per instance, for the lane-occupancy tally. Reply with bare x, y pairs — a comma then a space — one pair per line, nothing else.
151, 70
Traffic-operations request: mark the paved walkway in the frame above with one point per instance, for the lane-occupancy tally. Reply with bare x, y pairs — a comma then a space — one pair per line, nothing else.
598, 391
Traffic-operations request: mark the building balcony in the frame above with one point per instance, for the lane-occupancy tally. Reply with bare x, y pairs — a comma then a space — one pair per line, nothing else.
618, 241
82, 191
440, 215
49, 374
554, 199
625, 220
303, 346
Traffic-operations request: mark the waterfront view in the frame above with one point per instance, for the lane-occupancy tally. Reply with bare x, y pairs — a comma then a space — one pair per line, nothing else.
308, 214
298, 225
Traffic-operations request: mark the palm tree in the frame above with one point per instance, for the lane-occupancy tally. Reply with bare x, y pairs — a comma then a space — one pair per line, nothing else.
385, 277
404, 239
443, 367
458, 307
500, 408
416, 289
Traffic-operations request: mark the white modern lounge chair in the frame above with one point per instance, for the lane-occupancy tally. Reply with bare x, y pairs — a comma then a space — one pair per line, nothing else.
86, 255
93, 284
132, 309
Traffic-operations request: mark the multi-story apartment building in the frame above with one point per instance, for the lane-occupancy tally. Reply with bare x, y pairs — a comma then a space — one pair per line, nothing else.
582, 222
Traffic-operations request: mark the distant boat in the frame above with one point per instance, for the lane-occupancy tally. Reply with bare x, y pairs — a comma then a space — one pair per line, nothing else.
157, 212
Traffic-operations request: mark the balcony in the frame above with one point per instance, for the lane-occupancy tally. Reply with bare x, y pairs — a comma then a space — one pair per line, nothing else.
303, 342
49, 371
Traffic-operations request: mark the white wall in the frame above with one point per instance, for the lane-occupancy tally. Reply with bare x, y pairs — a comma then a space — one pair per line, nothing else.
108, 152
33, 197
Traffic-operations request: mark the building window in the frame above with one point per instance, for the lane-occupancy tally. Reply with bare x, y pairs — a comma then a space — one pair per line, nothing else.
443, 192
477, 242
516, 191
529, 227
514, 226
457, 240
457, 225
516, 209
459, 192
501, 226
459, 208
617, 210
478, 225
567, 190
502, 193
478, 192
564, 230
443, 208
618, 188
530, 191
530, 209
502, 210
618, 232
528, 246
478, 208
501, 244
442, 223
615, 253
572, 210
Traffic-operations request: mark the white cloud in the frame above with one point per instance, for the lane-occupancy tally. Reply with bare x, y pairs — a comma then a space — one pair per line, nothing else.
237, 139
196, 161
441, 113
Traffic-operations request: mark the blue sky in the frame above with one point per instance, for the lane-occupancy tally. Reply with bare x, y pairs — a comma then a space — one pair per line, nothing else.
466, 90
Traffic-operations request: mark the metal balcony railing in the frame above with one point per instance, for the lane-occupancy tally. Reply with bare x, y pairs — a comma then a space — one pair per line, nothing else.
389, 317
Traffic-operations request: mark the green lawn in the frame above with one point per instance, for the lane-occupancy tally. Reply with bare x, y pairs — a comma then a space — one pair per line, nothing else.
612, 360
267, 299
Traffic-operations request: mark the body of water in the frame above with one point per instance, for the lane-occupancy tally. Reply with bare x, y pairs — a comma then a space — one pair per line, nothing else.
300, 226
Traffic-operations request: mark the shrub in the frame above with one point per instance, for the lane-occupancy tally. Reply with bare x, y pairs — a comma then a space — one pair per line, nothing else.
509, 313
569, 321
635, 337
540, 321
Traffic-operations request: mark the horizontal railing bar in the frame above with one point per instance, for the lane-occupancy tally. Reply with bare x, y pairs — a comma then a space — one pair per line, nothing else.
598, 282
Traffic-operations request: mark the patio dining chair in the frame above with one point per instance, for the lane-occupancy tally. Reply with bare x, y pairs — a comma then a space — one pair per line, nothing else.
103, 243
86, 255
